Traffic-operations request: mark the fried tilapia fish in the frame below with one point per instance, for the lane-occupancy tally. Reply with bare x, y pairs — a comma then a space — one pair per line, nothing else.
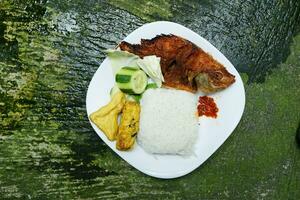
184, 65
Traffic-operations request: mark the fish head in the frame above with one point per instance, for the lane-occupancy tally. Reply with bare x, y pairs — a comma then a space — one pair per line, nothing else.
214, 80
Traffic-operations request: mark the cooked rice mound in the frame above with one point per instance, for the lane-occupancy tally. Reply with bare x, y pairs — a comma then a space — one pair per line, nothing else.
168, 122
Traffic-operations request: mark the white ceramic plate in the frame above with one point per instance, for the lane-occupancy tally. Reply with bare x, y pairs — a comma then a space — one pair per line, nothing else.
212, 132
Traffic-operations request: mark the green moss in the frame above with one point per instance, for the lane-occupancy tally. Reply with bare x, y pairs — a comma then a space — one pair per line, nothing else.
147, 10
48, 149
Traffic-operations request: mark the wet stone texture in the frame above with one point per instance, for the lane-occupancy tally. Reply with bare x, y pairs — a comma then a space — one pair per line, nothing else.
49, 51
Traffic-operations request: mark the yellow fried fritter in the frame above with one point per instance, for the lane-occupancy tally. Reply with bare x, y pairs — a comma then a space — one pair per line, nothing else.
106, 118
129, 125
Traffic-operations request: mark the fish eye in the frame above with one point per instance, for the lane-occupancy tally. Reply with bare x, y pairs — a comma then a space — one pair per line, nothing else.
218, 75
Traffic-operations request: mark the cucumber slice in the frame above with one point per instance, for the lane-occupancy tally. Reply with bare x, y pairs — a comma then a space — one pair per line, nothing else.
131, 81
123, 78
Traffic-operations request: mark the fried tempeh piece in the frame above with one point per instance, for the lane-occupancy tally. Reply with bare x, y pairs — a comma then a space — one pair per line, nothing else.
184, 65
129, 125
106, 118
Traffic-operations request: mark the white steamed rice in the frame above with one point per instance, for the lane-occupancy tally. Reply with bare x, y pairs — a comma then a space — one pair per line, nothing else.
168, 121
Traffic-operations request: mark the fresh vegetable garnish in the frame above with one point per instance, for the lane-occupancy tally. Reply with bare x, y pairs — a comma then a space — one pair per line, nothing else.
151, 66
132, 97
131, 81
119, 59
129, 97
151, 86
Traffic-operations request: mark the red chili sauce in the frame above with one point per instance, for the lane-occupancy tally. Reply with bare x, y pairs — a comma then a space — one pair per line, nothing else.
207, 107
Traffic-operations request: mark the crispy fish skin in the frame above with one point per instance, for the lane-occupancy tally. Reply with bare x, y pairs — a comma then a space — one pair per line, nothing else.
129, 125
184, 65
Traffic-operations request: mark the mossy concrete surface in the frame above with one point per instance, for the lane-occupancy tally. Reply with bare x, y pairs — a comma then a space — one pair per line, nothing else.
49, 51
